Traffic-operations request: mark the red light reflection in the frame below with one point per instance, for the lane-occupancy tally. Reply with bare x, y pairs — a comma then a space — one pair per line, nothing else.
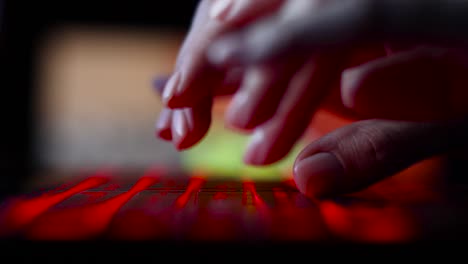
250, 196
194, 185
295, 223
220, 196
172, 213
139, 224
369, 224
218, 222
84, 222
20, 212
157, 223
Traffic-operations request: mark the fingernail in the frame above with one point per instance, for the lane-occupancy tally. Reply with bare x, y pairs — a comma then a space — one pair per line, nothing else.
188, 112
179, 127
159, 84
163, 125
171, 87
350, 82
319, 175
220, 9
255, 153
235, 114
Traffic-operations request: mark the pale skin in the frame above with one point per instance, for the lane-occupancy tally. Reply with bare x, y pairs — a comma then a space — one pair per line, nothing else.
284, 59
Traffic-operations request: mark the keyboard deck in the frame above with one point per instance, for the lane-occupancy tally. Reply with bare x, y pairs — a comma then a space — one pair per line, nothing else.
158, 207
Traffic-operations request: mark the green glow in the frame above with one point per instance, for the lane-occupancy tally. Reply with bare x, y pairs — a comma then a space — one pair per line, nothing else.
220, 154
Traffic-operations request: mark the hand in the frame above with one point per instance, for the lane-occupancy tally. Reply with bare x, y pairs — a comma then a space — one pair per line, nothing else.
423, 83
287, 120
188, 94
304, 26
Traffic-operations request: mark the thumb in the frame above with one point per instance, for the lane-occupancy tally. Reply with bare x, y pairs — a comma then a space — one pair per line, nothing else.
355, 156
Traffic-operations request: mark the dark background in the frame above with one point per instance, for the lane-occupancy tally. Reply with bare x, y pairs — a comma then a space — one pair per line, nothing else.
23, 23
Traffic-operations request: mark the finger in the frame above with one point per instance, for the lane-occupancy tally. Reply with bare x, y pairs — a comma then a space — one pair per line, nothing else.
194, 78
190, 125
342, 23
164, 123
358, 56
260, 94
420, 85
274, 139
231, 83
356, 156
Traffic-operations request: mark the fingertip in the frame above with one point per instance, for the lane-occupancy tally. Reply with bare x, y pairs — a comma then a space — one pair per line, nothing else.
350, 83
255, 154
318, 176
259, 96
179, 128
163, 125
165, 134
261, 149
235, 115
190, 125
